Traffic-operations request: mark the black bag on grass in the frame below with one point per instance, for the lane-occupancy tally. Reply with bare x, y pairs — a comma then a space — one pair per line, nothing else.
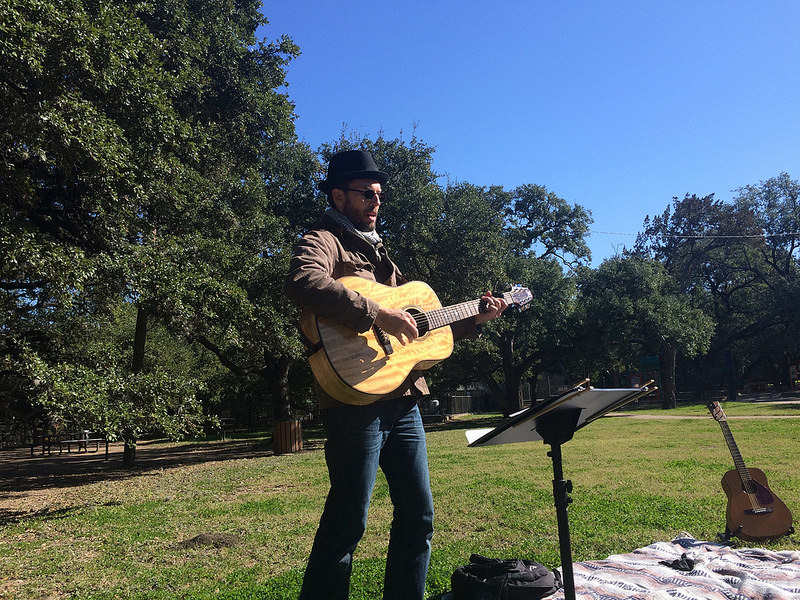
497, 579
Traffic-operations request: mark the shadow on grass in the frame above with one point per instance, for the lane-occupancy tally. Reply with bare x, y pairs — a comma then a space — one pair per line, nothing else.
466, 422
21, 472
14, 517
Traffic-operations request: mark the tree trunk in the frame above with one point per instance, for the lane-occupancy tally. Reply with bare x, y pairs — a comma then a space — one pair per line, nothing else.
137, 364
786, 376
730, 375
669, 355
512, 399
495, 390
129, 450
514, 402
276, 373
139, 340
287, 433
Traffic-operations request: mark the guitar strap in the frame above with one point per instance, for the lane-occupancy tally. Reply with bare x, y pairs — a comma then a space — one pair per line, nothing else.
311, 347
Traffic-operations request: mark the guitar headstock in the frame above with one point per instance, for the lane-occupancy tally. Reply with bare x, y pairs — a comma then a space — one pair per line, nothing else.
518, 296
716, 411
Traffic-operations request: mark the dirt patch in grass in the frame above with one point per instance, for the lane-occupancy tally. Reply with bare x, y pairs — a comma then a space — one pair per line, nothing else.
214, 540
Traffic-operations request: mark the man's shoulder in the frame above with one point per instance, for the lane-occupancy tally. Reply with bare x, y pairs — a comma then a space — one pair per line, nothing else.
324, 227
327, 231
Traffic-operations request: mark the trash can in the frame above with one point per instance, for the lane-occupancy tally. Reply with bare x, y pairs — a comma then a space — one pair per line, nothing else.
287, 436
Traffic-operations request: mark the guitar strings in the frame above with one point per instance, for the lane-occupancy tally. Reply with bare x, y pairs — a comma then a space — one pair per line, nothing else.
747, 481
439, 317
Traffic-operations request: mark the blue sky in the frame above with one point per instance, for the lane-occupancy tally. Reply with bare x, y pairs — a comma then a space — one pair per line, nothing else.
616, 106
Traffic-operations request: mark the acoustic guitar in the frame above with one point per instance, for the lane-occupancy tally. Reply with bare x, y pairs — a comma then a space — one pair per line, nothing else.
754, 512
360, 368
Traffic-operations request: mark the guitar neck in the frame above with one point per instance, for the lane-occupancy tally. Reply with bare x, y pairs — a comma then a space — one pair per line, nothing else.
439, 317
738, 461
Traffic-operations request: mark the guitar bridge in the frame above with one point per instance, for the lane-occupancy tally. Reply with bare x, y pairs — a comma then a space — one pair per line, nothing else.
758, 511
383, 339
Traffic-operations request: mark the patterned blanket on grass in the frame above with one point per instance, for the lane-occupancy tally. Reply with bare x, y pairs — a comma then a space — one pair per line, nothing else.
717, 573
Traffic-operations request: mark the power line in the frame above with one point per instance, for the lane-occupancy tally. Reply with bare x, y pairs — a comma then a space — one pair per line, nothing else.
706, 237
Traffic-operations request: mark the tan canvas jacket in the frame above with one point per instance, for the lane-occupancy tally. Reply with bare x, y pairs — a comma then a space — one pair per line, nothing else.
329, 252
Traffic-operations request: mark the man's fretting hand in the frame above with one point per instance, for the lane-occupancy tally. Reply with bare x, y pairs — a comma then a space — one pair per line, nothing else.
398, 323
493, 308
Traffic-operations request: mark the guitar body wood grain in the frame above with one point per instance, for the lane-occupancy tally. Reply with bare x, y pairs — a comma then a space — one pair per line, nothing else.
741, 521
353, 367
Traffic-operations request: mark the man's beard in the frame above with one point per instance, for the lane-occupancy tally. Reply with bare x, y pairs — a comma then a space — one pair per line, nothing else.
355, 216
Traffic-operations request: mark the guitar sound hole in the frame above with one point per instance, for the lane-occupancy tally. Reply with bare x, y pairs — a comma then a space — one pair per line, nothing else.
421, 318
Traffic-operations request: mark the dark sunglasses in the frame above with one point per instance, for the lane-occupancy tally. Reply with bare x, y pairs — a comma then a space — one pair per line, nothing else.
368, 194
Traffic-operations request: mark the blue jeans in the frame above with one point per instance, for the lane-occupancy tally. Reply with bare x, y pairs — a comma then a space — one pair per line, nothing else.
388, 434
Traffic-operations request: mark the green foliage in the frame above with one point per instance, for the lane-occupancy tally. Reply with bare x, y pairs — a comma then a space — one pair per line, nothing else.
774, 267
133, 141
520, 344
545, 223
92, 386
149, 157
629, 307
738, 262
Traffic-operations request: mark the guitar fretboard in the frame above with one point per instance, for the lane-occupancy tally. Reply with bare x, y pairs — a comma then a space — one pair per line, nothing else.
738, 461
439, 317
749, 486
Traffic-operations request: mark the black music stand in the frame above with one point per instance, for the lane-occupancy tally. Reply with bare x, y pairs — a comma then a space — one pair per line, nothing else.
555, 421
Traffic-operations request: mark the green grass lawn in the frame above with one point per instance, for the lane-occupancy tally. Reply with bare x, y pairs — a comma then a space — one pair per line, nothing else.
636, 481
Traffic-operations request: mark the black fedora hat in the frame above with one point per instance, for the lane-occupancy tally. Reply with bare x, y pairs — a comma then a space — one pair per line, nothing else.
348, 165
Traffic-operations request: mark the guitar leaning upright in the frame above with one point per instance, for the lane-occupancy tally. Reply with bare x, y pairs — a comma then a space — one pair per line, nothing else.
754, 512
360, 368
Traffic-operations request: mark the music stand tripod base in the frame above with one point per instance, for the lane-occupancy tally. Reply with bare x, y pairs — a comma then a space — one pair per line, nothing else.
555, 421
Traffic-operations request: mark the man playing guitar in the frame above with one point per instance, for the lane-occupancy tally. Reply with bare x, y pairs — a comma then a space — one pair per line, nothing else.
386, 433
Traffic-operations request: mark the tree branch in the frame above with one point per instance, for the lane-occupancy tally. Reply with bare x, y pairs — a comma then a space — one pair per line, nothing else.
224, 360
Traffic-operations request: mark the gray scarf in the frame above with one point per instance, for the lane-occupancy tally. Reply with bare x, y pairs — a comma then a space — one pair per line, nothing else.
370, 236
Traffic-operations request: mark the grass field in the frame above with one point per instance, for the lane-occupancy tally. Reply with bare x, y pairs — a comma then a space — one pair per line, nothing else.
133, 535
